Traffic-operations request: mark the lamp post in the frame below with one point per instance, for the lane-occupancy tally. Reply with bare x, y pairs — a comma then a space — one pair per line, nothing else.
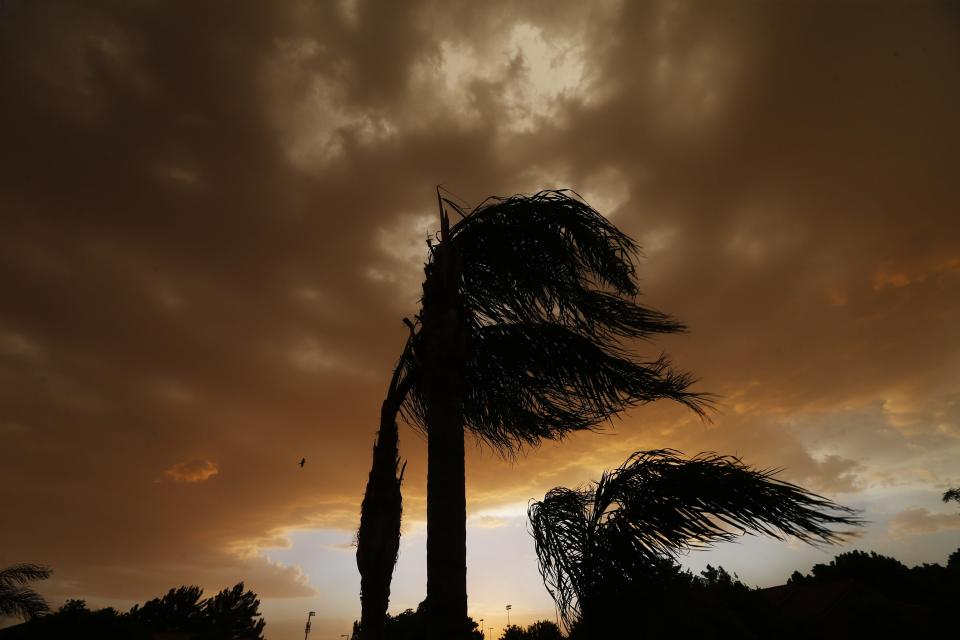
509, 606
482, 634
306, 629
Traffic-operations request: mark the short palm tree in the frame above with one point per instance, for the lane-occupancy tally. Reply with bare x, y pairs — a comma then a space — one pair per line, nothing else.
17, 599
600, 546
378, 538
525, 332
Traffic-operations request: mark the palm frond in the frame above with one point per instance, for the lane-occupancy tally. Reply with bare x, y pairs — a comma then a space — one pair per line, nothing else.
658, 504
557, 239
23, 573
548, 286
21, 602
526, 383
952, 494
678, 503
550, 257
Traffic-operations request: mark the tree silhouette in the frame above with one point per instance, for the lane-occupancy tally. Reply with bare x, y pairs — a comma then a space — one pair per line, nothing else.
18, 600
378, 538
513, 632
527, 305
544, 630
179, 611
233, 614
600, 547
540, 630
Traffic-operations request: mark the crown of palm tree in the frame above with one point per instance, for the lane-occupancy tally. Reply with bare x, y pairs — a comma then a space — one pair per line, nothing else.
619, 530
18, 600
549, 287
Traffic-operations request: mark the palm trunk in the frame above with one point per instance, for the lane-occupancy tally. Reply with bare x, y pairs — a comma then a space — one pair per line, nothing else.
442, 357
378, 539
446, 528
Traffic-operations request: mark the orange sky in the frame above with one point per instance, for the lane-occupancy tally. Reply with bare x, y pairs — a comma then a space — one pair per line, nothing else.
213, 218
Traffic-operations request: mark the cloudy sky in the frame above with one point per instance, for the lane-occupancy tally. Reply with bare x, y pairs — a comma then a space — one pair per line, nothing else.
213, 219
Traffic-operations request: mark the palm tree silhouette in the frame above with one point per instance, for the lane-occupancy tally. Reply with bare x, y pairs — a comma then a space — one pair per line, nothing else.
378, 538
18, 600
600, 546
527, 304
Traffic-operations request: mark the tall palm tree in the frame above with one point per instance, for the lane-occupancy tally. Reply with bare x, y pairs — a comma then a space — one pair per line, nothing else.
528, 306
18, 600
599, 546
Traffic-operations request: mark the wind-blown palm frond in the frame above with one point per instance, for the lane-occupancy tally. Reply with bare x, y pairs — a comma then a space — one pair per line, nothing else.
17, 600
548, 285
528, 382
952, 494
22, 602
610, 537
551, 257
19, 574
560, 241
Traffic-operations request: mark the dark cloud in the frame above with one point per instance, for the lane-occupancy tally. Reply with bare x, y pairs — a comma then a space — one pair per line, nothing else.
214, 215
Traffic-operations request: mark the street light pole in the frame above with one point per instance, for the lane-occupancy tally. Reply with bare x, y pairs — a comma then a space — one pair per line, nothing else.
306, 629
482, 633
509, 606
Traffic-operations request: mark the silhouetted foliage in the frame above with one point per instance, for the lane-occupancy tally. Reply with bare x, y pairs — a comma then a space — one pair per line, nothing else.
605, 546
18, 600
678, 604
232, 614
859, 565
412, 625
378, 537
525, 333
180, 610
953, 562
861, 594
796, 578
540, 630
952, 494
856, 595
513, 632
75, 620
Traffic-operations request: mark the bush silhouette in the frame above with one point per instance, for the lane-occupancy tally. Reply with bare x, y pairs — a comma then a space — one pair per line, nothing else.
232, 614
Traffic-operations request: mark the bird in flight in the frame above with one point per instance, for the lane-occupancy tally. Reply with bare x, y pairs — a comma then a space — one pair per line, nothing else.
303, 461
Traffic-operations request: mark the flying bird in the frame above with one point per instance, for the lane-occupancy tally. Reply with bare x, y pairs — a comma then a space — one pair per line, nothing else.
303, 461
